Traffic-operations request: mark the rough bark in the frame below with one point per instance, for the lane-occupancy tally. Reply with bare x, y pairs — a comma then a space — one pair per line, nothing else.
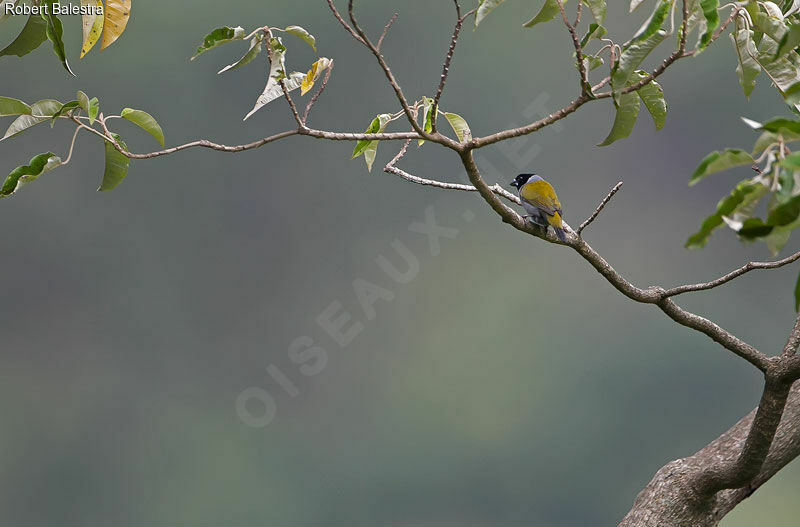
672, 498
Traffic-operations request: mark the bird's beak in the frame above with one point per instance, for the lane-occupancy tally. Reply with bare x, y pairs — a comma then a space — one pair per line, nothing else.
512, 184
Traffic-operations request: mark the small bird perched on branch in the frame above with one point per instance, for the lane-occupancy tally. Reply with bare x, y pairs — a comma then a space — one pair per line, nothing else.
540, 201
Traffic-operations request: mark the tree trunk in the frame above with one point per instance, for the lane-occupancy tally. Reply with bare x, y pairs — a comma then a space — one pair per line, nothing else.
672, 499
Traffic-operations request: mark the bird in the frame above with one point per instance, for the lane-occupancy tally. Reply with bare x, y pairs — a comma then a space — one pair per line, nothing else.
540, 201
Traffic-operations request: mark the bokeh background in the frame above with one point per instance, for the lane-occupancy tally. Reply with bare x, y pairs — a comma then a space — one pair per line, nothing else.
507, 384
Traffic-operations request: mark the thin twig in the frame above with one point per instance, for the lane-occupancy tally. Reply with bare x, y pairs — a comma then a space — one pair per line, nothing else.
438, 138
684, 26
576, 43
318, 92
480, 142
71, 146
746, 268
446, 66
391, 168
724, 25
292, 106
386, 31
345, 24
599, 208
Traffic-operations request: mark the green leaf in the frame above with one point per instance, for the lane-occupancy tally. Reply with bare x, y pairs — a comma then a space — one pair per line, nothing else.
362, 145
41, 111
764, 24
627, 112
777, 239
748, 67
653, 24
55, 33
144, 121
779, 124
252, 53
592, 62
427, 113
116, 165
782, 71
598, 9
547, 13
33, 34
792, 161
753, 228
718, 161
484, 8
277, 72
631, 58
90, 106
25, 174
221, 35
789, 41
746, 193
652, 96
711, 15
634, 5
643, 42
64, 109
767, 139
370, 148
792, 94
460, 126
595, 31
9, 106
785, 213
307, 37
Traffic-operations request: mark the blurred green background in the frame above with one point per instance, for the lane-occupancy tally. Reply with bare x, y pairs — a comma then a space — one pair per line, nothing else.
507, 384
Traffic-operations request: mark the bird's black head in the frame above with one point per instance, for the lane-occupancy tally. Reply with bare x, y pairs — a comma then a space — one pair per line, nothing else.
521, 180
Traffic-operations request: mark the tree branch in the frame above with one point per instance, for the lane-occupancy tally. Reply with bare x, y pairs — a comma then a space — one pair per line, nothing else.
746, 268
317, 94
794, 340
344, 24
586, 89
599, 208
651, 295
392, 169
680, 53
739, 472
727, 470
671, 500
390, 77
386, 31
446, 66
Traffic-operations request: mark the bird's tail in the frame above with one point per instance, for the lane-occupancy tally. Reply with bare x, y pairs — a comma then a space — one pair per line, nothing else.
555, 222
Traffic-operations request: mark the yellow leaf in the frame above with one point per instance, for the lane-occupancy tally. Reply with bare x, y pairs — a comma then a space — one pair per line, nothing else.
117, 13
313, 74
92, 26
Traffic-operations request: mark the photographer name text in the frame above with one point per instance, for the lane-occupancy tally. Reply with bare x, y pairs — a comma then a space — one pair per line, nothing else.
55, 8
